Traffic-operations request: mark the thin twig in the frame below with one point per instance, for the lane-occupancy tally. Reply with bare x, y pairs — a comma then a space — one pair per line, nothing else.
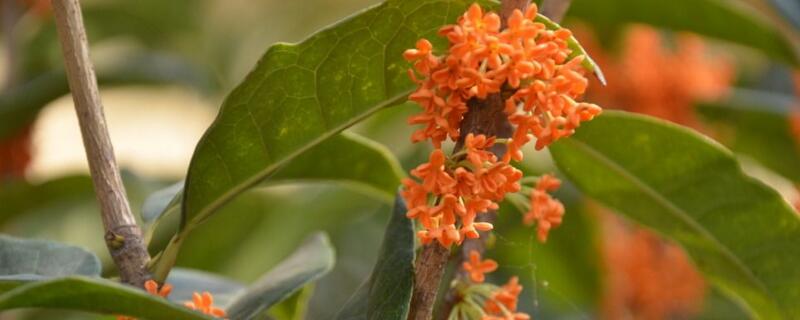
123, 236
555, 9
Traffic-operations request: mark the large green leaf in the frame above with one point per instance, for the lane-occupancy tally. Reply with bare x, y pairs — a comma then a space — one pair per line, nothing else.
758, 130
387, 292
260, 216
299, 95
741, 234
348, 158
26, 260
95, 295
724, 19
312, 260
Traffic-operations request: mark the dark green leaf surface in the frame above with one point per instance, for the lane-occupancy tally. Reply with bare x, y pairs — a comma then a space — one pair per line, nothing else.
387, 292
95, 295
312, 260
187, 281
261, 216
299, 95
347, 158
724, 19
760, 132
741, 234
26, 260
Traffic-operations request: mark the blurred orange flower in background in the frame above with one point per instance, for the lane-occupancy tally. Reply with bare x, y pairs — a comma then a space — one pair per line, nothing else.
646, 276
649, 78
15, 155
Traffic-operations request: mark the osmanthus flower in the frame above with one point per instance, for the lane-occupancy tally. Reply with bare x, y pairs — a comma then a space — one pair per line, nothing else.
204, 302
545, 211
646, 277
151, 287
487, 301
540, 82
477, 268
502, 305
201, 302
677, 75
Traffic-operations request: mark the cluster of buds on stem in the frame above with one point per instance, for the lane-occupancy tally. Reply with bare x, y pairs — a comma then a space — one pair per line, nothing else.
489, 301
534, 70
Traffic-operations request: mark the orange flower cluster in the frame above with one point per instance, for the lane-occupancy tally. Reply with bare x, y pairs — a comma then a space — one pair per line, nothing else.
459, 191
203, 303
545, 211
502, 305
648, 278
533, 62
671, 82
525, 60
476, 268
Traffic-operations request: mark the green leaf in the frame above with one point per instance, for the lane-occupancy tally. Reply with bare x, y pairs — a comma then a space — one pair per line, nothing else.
758, 129
20, 105
348, 158
94, 295
722, 19
302, 94
741, 234
295, 307
27, 260
311, 261
161, 203
387, 292
187, 281
260, 216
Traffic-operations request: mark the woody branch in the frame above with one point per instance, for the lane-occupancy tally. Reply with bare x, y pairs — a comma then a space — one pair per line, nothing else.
122, 235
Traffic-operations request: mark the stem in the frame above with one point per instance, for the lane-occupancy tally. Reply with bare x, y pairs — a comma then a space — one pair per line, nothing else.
555, 9
122, 235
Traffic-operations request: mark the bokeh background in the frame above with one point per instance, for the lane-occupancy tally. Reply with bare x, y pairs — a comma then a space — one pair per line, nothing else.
165, 66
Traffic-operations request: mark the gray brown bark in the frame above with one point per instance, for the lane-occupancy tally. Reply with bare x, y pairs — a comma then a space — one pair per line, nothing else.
123, 236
